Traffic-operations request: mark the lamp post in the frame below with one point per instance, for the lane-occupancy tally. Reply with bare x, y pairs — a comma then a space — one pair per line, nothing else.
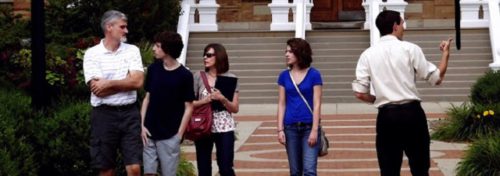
39, 93
457, 24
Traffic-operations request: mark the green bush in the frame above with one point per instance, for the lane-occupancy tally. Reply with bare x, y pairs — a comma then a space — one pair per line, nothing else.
482, 158
16, 152
147, 52
185, 168
72, 26
487, 89
12, 29
52, 142
468, 122
65, 138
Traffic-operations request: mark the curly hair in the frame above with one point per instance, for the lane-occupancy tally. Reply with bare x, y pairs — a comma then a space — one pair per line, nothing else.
302, 51
171, 43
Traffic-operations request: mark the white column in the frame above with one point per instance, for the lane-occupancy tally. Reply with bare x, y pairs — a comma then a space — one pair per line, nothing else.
470, 14
207, 10
486, 12
300, 18
374, 32
279, 12
366, 6
495, 33
183, 27
309, 6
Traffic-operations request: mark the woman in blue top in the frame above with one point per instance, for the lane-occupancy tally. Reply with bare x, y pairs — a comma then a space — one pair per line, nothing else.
298, 128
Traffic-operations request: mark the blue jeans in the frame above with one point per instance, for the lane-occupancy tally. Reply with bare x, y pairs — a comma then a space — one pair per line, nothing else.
302, 158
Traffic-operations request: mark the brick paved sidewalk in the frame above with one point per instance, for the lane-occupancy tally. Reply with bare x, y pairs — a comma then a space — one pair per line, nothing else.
352, 148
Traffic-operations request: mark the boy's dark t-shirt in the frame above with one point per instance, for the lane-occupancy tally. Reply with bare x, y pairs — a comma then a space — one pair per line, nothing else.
168, 91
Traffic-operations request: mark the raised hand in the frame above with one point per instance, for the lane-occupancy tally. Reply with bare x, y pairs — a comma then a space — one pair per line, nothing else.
445, 45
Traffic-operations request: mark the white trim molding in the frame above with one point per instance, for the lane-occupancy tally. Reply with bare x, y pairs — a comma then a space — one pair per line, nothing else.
207, 10
469, 10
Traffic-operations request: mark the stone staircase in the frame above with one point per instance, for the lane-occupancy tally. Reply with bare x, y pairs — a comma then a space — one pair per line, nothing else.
258, 57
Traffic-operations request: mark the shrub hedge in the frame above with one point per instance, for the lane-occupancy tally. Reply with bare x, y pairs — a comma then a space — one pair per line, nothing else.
50, 142
64, 136
468, 122
482, 158
17, 155
487, 89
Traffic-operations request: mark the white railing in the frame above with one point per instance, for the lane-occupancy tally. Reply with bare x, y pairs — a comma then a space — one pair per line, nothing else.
301, 10
471, 18
373, 8
470, 14
207, 15
207, 11
183, 28
494, 15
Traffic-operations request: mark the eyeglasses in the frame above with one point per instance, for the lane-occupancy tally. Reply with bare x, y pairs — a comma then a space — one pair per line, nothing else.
208, 55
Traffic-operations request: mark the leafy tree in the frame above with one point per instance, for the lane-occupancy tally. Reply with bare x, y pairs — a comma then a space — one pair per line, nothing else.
68, 20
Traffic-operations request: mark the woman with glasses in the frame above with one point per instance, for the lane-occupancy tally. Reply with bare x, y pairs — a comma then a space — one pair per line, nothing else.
299, 112
224, 101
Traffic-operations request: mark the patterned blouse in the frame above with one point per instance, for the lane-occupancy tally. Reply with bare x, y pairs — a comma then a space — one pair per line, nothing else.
223, 121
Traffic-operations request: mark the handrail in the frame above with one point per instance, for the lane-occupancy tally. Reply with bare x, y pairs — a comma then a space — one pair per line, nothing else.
494, 34
183, 28
300, 18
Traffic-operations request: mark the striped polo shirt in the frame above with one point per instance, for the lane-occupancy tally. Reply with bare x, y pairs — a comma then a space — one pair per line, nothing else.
99, 62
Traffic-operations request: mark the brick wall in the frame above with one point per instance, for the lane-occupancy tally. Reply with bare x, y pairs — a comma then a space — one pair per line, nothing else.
22, 7
243, 11
257, 10
430, 13
430, 9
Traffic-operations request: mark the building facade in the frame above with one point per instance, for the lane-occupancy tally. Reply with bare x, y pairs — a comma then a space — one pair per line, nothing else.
420, 13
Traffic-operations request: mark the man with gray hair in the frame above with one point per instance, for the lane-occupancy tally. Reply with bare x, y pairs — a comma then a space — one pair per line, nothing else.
113, 70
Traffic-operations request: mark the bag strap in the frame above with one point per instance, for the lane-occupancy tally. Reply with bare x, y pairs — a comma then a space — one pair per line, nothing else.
205, 81
302, 96
300, 93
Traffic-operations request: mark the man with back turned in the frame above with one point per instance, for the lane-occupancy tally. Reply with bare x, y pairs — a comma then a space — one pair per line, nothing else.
386, 76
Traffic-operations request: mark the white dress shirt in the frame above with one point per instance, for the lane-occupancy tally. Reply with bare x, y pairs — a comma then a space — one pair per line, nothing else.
99, 62
389, 70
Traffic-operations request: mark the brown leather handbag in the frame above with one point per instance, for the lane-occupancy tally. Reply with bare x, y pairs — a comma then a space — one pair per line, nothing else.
200, 124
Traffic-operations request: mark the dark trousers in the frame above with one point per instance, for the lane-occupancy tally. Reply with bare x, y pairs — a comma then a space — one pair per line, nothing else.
115, 128
224, 145
403, 128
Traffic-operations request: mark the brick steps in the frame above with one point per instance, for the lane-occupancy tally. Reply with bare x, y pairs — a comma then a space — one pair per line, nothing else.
351, 153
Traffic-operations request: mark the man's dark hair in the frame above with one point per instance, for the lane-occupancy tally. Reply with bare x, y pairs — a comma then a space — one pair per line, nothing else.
385, 21
171, 43
302, 51
221, 58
